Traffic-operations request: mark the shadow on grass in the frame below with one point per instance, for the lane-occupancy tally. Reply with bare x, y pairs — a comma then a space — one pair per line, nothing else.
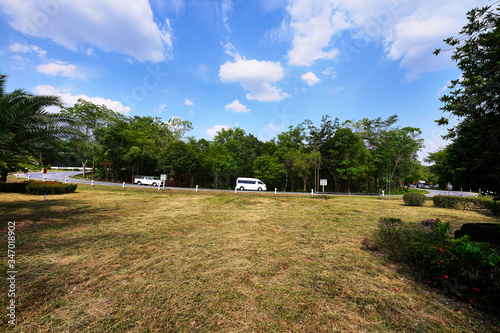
39, 215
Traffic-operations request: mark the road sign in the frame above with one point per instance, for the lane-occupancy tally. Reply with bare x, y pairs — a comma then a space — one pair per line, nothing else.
323, 182
163, 176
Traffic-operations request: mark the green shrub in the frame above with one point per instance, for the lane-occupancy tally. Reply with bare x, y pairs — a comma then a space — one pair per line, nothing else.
13, 187
50, 187
414, 199
446, 201
469, 270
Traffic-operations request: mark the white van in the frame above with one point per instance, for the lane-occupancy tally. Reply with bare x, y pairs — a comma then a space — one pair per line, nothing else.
250, 184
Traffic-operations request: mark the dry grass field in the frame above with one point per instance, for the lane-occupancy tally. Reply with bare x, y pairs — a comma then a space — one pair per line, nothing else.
116, 260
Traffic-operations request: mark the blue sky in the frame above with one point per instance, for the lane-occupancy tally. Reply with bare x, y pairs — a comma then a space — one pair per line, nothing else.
261, 65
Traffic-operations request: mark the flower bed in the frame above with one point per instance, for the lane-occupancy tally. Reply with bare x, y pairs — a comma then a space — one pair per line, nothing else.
467, 269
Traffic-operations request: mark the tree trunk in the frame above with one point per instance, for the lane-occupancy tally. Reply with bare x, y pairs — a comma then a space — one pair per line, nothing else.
93, 167
3, 175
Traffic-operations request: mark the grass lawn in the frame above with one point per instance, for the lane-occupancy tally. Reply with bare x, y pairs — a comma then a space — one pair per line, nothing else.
114, 260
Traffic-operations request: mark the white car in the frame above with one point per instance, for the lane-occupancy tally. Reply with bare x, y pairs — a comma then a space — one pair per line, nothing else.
146, 180
254, 184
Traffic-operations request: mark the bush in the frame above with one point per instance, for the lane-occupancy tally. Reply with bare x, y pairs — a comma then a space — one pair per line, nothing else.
414, 199
469, 270
13, 187
51, 187
446, 201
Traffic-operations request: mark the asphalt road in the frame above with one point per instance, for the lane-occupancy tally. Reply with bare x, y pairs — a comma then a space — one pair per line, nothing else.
63, 175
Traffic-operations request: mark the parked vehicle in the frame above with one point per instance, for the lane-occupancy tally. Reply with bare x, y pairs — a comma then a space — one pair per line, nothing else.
146, 180
252, 184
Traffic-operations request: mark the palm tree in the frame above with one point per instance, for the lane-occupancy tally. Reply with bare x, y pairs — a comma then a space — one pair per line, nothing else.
27, 129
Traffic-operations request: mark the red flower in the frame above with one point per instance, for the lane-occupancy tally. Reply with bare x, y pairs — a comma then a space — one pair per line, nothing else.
475, 289
446, 276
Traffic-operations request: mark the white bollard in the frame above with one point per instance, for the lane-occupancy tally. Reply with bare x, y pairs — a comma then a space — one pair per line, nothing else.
123, 184
382, 194
312, 191
235, 190
17, 176
65, 180
196, 188
43, 178
92, 183
275, 191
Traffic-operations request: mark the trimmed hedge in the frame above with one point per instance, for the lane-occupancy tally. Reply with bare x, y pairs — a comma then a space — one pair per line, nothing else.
51, 187
414, 199
37, 188
446, 201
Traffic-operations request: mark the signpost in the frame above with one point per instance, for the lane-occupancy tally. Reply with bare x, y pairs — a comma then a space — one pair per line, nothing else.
163, 178
323, 182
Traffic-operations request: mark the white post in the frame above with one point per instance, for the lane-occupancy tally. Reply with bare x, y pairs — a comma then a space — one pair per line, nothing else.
275, 191
312, 191
349, 194
235, 190
29, 177
43, 178
382, 194
65, 180
159, 186
123, 184
196, 188
17, 176
92, 183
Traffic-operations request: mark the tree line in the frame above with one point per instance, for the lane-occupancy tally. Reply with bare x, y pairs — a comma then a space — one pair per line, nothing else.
368, 155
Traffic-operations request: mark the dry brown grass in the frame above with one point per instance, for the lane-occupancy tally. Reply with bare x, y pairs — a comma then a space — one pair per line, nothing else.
138, 260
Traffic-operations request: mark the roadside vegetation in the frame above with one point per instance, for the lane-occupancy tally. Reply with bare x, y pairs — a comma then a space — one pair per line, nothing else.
113, 259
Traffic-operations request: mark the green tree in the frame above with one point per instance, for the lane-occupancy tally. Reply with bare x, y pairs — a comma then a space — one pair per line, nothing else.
397, 149
474, 99
288, 143
442, 171
183, 162
88, 117
28, 129
233, 155
347, 159
269, 170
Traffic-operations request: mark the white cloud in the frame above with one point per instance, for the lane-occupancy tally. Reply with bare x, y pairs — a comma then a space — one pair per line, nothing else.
409, 31
188, 102
124, 26
256, 77
68, 99
330, 71
25, 48
310, 78
161, 108
314, 23
414, 37
61, 68
237, 107
274, 127
212, 132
